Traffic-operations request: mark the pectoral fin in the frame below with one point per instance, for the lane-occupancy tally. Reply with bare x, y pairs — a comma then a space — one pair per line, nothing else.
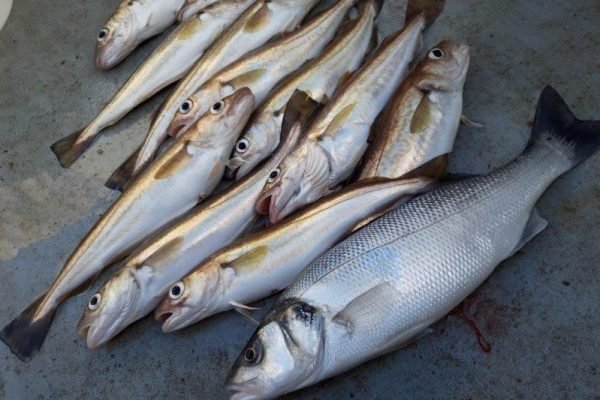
248, 261
245, 311
466, 121
174, 164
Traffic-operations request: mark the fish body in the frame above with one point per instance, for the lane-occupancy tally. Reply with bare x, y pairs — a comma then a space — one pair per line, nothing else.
167, 64
266, 262
146, 275
187, 172
338, 137
383, 286
261, 69
422, 119
192, 7
259, 23
133, 22
320, 78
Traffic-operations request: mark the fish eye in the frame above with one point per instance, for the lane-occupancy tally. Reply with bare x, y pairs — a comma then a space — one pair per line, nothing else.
252, 353
94, 302
273, 175
103, 33
436, 54
217, 107
242, 145
186, 106
176, 290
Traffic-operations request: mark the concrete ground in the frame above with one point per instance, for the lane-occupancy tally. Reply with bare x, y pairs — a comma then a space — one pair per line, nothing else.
539, 312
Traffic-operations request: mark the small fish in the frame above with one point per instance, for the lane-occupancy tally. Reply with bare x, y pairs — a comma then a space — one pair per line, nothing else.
420, 124
146, 275
383, 286
167, 64
133, 22
263, 20
188, 171
261, 69
320, 77
339, 136
266, 262
192, 7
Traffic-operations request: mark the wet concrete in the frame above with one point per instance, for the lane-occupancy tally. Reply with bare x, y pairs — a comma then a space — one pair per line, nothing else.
538, 312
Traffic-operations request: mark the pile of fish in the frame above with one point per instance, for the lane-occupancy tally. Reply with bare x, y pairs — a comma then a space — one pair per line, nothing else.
337, 147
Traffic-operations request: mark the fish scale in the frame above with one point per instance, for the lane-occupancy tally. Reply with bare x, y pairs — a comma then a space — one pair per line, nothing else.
471, 236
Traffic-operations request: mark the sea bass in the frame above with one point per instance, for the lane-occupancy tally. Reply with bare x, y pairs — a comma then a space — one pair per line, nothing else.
191, 7
146, 275
266, 262
260, 22
261, 69
384, 285
420, 124
133, 22
338, 137
188, 171
320, 78
167, 64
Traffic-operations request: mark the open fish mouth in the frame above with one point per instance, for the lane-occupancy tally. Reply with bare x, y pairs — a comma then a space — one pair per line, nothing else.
177, 130
245, 391
170, 318
271, 204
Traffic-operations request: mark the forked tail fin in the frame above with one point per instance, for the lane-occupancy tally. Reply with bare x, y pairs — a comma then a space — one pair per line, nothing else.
25, 334
122, 175
70, 148
557, 127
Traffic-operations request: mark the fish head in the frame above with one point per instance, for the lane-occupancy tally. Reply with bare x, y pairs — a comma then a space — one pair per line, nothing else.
189, 300
254, 145
108, 311
444, 68
300, 179
282, 355
210, 104
117, 38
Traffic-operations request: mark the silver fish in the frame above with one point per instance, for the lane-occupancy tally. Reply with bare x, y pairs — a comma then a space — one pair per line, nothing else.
338, 137
420, 124
133, 22
383, 286
167, 64
266, 262
192, 7
260, 22
260, 70
189, 170
320, 77
146, 275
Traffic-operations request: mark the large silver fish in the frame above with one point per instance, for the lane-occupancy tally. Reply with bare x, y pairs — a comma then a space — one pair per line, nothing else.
189, 170
133, 22
420, 124
260, 22
167, 64
261, 69
146, 275
388, 282
266, 262
320, 78
192, 7
339, 136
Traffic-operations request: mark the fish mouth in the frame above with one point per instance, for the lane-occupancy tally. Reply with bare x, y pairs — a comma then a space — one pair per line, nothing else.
231, 173
186, 12
272, 204
234, 165
92, 339
170, 318
104, 60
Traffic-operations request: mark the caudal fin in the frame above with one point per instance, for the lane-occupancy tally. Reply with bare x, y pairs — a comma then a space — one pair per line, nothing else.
69, 148
431, 9
122, 175
25, 335
556, 126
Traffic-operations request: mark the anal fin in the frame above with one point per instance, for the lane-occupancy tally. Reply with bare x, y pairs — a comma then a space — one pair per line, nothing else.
535, 224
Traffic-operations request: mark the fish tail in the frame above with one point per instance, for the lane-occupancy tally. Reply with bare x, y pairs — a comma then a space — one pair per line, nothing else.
26, 333
122, 175
556, 126
431, 9
70, 148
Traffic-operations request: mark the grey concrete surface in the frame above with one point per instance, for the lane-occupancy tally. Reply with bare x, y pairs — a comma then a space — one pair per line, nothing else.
539, 311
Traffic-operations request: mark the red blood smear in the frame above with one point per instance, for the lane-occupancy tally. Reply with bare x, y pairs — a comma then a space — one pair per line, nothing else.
483, 344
